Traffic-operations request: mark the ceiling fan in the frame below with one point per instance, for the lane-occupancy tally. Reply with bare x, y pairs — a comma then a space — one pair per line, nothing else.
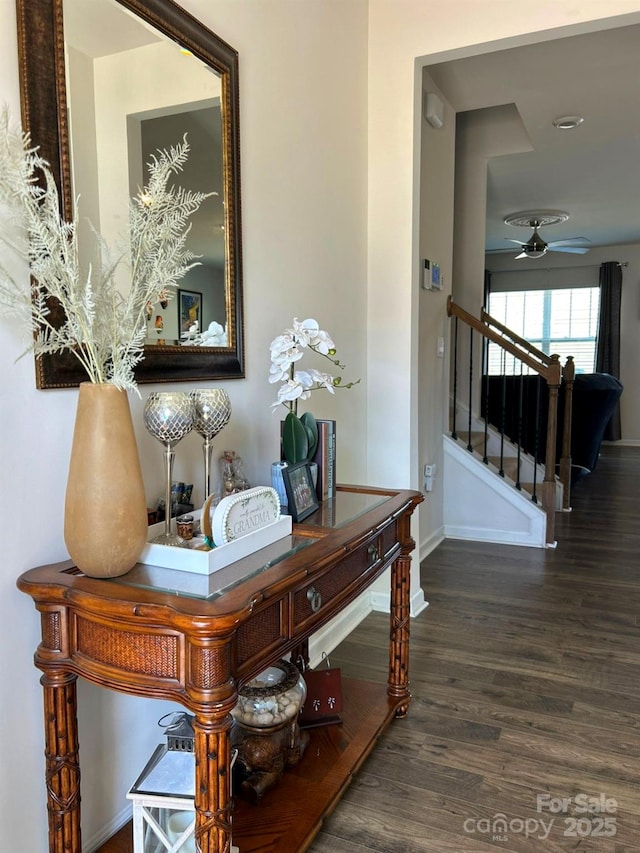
535, 246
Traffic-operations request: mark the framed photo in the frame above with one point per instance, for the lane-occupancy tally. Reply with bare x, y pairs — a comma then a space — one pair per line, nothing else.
189, 310
301, 494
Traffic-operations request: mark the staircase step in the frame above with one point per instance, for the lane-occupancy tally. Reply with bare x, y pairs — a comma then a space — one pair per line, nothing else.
510, 468
509, 465
477, 439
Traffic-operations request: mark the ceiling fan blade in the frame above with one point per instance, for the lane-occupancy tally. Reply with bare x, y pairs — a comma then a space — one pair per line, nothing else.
569, 241
519, 242
576, 250
521, 255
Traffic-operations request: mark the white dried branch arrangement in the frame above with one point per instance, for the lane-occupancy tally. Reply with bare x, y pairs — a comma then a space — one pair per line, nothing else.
104, 328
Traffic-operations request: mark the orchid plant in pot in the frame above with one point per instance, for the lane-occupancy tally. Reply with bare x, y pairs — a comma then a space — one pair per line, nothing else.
300, 433
103, 325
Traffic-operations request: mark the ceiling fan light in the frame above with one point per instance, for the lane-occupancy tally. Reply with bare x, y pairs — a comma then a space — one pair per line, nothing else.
567, 122
536, 253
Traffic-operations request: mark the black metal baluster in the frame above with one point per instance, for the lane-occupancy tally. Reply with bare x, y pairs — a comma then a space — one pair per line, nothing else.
454, 434
485, 397
469, 445
519, 445
526, 414
513, 400
503, 410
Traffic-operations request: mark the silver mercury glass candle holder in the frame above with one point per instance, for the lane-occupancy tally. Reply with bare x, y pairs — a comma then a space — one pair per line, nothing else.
168, 416
212, 412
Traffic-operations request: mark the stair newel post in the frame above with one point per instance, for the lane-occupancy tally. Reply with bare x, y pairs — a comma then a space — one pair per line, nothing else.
568, 377
549, 485
469, 444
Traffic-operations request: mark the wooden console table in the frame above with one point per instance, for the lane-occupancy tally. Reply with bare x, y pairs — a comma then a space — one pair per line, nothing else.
195, 639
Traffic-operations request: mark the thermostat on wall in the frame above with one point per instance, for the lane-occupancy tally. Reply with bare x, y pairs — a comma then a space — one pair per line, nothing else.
435, 277
431, 275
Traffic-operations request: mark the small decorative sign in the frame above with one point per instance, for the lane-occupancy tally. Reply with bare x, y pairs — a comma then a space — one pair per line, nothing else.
245, 512
323, 703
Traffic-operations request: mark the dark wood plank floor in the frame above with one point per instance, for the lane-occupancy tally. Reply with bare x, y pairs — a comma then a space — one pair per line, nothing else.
525, 673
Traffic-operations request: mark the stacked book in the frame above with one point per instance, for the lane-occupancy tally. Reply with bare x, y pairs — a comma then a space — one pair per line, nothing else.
325, 457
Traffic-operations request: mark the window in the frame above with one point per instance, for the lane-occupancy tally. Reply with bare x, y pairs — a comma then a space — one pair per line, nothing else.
562, 321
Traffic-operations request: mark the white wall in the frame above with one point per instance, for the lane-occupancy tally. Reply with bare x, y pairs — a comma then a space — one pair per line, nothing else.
480, 135
437, 166
329, 156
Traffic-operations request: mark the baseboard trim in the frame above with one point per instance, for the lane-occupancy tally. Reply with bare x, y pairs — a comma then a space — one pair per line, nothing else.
624, 442
106, 832
338, 629
381, 602
431, 543
500, 537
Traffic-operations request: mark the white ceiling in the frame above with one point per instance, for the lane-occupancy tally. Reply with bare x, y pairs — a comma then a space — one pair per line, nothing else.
591, 172
98, 28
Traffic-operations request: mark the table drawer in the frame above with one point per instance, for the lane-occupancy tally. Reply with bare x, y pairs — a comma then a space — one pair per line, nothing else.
346, 579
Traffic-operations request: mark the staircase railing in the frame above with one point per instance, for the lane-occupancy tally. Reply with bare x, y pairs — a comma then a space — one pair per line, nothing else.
568, 378
547, 367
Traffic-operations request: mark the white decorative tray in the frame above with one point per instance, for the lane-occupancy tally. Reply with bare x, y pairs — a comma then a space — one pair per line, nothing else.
207, 562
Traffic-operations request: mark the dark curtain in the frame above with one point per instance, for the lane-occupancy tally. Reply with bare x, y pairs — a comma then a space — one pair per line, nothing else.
487, 289
608, 348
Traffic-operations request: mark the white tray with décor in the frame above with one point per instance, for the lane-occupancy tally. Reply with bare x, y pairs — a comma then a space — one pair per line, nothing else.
239, 525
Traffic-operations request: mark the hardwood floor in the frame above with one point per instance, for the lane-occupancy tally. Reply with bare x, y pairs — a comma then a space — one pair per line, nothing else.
525, 676
525, 680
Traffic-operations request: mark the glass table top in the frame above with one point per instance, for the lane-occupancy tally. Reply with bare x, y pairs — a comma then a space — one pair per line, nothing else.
336, 513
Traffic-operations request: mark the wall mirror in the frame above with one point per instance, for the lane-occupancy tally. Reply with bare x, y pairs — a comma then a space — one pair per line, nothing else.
103, 84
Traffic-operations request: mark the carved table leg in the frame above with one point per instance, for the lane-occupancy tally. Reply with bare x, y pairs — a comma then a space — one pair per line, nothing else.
62, 766
213, 784
398, 685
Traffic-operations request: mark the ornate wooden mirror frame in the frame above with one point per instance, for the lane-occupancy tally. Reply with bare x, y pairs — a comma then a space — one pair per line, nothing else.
41, 52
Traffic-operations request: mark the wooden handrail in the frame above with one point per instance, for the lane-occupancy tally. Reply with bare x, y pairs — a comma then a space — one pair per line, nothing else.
549, 367
551, 371
491, 321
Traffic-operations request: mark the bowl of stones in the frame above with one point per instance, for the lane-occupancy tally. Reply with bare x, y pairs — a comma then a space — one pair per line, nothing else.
271, 699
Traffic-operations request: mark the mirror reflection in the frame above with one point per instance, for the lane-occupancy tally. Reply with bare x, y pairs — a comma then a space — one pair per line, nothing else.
105, 85
126, 85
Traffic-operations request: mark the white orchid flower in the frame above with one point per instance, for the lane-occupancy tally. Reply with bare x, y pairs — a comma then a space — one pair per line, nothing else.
304, 331
278, 373
322, 380
215, 335
284, 351
287, 349
323, 344
310, 334
290, 392
283, 343
304, 378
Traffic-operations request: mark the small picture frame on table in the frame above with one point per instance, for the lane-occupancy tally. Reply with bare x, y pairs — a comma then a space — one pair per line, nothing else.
301, 494
189, 310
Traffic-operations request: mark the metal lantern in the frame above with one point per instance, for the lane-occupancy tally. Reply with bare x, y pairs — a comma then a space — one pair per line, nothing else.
179, 732
162, 796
